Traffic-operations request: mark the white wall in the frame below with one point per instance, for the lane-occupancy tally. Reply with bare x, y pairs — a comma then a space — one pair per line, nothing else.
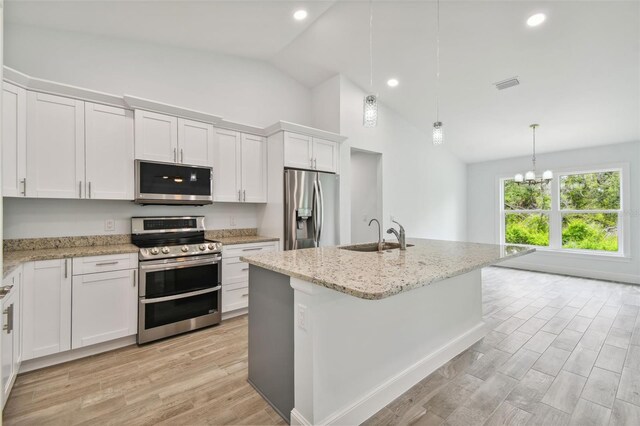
238, 89
483, 209
424, 187
32, 218
325, 105
366, 195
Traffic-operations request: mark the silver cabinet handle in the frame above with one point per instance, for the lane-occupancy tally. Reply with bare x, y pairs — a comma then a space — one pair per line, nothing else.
315, 163
115, 262
181, 155
66, 270
24, 186
175, 155
244, 269
245, 295
80, 189
135, 277
252, 249
244, 195
89, 189
239, 195
311, 161
8, 326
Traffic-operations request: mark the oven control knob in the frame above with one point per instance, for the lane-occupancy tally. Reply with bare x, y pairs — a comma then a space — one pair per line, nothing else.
165, 250
202, 247
154, 250
185, 249
211, 246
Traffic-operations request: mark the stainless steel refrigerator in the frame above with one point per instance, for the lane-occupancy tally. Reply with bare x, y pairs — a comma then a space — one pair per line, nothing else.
310, 209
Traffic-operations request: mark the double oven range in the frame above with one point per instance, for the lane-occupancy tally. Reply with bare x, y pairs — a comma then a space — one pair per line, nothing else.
179, 274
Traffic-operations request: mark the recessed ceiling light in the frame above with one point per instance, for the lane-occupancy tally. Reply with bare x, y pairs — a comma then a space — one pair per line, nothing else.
537, 19
392, 82
299, 15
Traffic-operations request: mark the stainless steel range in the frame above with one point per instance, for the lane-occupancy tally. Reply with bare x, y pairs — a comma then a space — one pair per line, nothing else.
180, 276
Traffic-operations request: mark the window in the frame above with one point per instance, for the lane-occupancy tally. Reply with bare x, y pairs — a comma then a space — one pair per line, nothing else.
577, 211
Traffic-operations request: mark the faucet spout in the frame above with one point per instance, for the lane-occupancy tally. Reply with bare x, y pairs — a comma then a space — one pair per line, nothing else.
379, 232
401, 236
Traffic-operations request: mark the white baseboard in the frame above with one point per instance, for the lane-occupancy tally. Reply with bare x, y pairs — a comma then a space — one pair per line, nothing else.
233, 314
574, 272
395, 386
49, 360
297, 419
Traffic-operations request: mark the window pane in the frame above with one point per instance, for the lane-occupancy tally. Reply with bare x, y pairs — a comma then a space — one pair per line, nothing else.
590, 191
526, 197
593, 231
527, 228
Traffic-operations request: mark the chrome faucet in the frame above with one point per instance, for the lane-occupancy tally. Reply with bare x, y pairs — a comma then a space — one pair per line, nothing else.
401, 236
379, 233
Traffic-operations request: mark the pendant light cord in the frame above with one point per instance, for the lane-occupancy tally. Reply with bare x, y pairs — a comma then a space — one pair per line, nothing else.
438, 60
371, 44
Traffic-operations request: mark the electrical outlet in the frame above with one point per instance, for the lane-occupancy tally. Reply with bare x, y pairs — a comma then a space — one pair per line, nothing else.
302, 317
110, 225
232, 221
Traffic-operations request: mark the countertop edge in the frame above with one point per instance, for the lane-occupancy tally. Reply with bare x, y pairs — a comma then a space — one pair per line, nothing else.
385, 294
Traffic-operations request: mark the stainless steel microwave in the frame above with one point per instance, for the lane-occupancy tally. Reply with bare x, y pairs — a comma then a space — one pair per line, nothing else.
170, 183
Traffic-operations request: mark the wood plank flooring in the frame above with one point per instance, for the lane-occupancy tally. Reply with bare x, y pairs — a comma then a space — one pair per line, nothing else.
193, 379
561, 351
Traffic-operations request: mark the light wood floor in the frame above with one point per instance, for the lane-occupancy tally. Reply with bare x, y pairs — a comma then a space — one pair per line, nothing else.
196, 378
562, 350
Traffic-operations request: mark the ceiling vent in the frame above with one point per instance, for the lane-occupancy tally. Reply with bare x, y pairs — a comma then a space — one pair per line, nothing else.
505, 84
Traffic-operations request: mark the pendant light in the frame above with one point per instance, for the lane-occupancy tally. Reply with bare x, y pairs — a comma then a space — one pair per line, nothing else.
370, 113
530, 177
438, 137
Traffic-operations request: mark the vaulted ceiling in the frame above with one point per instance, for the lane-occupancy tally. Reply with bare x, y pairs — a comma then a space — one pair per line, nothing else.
579, 71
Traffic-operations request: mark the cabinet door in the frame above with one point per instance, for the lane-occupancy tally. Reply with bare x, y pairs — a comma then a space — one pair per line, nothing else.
254, 169
156, 137
298, 151
195, 143
46, 314
104, 307
226, 166
109, 152
8, 342
55, 146
14, 140
325, 155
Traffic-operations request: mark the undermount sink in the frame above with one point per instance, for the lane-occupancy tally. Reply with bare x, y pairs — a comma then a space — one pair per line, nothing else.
373, 247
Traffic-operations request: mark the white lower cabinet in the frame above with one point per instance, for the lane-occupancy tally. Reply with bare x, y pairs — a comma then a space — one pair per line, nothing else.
104, 307
235, 273
10, 328
46, 308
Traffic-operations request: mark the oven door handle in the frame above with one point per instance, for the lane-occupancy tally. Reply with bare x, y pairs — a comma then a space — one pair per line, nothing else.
180, 296
163, 265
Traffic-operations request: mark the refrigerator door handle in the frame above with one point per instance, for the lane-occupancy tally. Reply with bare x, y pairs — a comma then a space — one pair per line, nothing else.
314, 213
320, 212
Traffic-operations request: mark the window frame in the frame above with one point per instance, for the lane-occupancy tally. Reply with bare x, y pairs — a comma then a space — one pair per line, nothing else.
556, 213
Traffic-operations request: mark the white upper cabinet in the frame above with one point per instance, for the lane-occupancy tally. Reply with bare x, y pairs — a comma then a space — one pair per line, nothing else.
325, 155
254, 169
46, 313
156, 137
226, 166
298, 151
195, 143
55, 146
306, 152
109, 152
105, 307
14, 140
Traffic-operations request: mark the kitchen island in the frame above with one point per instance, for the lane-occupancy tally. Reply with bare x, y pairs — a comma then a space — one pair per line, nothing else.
337, 334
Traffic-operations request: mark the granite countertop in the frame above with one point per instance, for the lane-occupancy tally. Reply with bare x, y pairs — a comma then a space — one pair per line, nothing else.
379, 275
13, 259
245, 239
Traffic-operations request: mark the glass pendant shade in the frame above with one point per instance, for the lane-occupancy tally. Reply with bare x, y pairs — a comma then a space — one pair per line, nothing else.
370, 117
518, 178
547, 175
438, 137
530, 176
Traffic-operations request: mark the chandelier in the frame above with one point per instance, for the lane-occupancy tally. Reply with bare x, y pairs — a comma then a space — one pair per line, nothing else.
530, 177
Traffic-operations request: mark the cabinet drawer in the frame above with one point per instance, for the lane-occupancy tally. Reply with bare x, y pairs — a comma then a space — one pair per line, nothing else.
111, 262
235, 297
237, 250
234, 271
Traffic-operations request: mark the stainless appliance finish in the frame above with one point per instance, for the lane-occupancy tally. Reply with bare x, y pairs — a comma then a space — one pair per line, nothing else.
180, 275
170, 183
310, 202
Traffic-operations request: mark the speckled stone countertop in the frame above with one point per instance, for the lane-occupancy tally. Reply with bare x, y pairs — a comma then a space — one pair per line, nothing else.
380, 275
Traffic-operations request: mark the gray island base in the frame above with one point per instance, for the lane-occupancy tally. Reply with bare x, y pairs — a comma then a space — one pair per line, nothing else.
329, 344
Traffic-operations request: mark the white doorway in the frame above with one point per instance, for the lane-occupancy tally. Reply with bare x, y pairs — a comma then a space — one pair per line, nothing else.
366, 195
